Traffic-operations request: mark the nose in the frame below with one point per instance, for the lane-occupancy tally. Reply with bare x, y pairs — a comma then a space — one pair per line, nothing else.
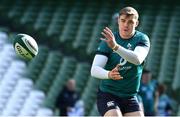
125, 24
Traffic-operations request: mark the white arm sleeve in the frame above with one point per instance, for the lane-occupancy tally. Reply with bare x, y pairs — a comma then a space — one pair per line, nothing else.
97, 69
136, 57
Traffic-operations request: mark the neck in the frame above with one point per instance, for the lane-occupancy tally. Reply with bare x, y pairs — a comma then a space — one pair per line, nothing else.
127, 36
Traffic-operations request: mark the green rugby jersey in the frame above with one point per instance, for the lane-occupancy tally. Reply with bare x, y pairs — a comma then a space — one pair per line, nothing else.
131, 73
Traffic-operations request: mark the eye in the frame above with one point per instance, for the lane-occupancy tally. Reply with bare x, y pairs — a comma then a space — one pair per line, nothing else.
131, 22
122, 20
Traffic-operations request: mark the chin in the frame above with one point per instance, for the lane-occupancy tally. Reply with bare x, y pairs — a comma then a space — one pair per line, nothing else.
126, 36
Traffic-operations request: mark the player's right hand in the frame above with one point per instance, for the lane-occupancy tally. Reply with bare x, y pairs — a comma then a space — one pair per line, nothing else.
109, 37
114, 73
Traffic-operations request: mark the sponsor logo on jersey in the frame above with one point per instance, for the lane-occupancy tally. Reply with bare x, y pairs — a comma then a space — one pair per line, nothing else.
122, 62
125, 68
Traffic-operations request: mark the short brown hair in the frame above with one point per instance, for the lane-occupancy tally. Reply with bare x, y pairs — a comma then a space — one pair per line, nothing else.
129, 11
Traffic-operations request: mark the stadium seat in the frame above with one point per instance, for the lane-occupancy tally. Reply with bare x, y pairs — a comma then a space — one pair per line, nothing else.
43, 21
176, 80
94, 111
16, 101
3, 39
36, 65
44, 112
175, 84
170, 51
158, 39
5, 6
102, 20
81, 76
17, 11
57, 23
89, 98
72, 24
49, 72
10, 78
32, 103
92, 21
178, 111
65, 72
147, 20
84, 31
30, 16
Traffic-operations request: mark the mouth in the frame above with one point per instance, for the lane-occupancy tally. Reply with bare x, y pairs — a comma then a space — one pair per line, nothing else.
125, 30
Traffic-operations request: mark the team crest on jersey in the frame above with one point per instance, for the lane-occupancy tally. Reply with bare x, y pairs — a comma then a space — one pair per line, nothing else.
129, 46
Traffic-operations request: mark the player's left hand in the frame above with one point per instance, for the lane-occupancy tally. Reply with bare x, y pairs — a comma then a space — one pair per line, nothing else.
109, 37
114, 73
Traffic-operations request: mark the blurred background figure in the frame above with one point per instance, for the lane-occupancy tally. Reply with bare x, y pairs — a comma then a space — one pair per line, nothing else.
68, 101
148, 93
115, 17
164, 107
114, 23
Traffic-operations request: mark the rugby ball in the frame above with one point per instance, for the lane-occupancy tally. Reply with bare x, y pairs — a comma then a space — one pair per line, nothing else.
25, 46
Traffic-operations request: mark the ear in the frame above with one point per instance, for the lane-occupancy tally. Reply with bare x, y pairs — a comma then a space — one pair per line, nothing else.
137, 23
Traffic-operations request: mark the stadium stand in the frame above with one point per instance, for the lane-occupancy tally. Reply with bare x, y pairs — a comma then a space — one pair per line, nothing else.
175, 84
94, 111
89, 98
68, 34
65, 72
81, 76
17, 98
35, 66
44, 112
170, 50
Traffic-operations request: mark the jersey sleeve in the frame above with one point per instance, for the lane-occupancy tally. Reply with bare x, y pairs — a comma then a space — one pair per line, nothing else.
144, 41
103, 49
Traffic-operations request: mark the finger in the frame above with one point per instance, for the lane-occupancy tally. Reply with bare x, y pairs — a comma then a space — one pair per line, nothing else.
108, 33
117, 77
103, 39
118, 66
109, 30
112, 74
103, 34
115, 73
115, 69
